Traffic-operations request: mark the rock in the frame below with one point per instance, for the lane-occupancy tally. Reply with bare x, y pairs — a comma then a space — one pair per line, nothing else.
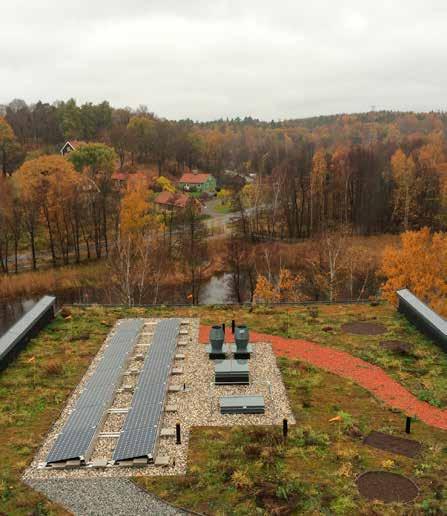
65, 312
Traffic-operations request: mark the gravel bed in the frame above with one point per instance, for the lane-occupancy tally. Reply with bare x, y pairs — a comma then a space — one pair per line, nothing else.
198, 405
103, 497
113, 423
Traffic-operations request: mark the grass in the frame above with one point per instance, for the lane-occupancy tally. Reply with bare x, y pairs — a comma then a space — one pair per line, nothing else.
35, 387
244, 471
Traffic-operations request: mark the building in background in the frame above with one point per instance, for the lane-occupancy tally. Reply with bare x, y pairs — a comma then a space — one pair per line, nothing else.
197, 182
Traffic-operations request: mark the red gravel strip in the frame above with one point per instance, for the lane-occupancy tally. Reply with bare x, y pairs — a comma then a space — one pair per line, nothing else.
369, 376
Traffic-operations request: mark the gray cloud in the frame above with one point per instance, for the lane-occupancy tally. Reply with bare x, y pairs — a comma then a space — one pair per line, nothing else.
210, 59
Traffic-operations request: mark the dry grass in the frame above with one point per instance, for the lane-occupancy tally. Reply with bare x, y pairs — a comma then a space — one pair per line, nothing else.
32, 283
53, 367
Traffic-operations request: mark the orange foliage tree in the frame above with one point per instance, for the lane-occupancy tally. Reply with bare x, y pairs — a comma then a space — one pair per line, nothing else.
285, 289
419, 264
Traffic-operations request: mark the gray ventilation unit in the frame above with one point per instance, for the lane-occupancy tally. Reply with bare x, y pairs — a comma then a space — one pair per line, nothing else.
216, 348
242, 349
228, 372
242, 404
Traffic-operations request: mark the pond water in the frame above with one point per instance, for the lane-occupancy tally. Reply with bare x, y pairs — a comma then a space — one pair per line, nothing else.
11, 311
215, 291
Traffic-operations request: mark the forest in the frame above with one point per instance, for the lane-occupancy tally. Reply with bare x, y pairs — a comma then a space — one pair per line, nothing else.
306, 195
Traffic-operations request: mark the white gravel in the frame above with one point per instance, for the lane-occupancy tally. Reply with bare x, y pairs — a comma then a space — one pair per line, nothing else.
103, 497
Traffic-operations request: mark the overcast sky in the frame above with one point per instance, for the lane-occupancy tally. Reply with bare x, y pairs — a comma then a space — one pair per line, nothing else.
207, 59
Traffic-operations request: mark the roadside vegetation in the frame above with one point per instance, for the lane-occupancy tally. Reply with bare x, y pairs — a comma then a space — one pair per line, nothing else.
34, 389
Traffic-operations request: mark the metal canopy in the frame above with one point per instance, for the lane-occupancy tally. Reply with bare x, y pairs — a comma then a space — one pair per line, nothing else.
423, 317
76, 437
423, 310
25, 324
140, 432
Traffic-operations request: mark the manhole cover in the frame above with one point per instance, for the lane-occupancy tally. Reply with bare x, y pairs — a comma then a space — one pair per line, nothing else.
393, 444
387, 487
364, 328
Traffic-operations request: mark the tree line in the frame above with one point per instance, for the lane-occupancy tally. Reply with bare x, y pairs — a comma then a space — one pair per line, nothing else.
378, 172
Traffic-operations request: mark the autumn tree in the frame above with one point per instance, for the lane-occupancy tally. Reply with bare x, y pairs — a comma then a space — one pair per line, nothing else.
286, 287
193, 248
318, 179
404, 176
96, 163
240, 260
419, 264
136, 259
11, 153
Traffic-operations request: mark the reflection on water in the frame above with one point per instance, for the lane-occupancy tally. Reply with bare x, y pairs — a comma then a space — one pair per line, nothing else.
215, 291
10, 312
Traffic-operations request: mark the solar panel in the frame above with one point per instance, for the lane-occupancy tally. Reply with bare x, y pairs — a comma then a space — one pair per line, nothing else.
140, 431
76, 437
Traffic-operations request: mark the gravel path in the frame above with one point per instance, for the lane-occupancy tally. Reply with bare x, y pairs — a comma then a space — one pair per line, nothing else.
103, 497
369, 376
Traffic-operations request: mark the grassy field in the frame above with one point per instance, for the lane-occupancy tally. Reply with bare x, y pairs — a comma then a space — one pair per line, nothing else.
34, 389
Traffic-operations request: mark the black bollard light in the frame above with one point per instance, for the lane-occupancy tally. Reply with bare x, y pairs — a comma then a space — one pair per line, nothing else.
408, 425
285, 428
178, 439
233, 326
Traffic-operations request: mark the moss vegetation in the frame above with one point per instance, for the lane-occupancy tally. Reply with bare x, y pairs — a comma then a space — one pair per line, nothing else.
244, 471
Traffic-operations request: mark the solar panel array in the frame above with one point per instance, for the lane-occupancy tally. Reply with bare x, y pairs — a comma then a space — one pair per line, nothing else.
76, 437
25, 324
140, 431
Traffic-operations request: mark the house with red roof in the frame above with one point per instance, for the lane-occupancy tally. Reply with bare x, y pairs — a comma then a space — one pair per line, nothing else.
197, 182
171, 201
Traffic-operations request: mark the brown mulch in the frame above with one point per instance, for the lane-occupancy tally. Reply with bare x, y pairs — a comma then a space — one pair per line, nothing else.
386, 486
393, 444
397, 346
364, 328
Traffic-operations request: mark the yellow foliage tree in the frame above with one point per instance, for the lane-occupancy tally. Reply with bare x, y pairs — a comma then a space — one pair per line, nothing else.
420, 264
165, 184
137, 214
404, 176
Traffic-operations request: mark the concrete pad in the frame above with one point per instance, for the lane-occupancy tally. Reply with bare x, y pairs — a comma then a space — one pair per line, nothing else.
167, 432
162, 461
99, 463
175, 388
